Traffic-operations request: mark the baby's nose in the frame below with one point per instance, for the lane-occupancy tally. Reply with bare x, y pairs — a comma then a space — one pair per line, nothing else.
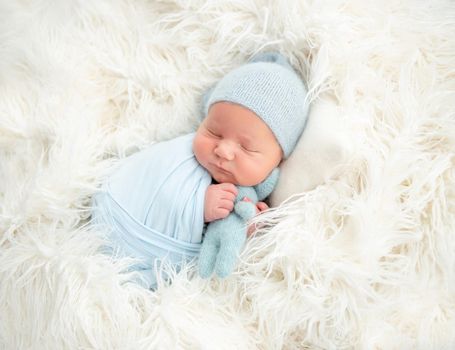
225, 149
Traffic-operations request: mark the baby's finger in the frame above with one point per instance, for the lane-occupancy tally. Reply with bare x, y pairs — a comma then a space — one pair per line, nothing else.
262, 206
226, 204
251, 230
229, 188
228, 195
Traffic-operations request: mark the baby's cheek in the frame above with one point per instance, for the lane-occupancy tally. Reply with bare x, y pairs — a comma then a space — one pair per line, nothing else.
199, 148
247, 172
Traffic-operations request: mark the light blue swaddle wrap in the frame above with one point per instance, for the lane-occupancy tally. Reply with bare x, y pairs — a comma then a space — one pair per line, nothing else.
152, 206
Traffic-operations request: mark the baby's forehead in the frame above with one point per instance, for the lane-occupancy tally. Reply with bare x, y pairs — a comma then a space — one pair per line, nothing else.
236, 120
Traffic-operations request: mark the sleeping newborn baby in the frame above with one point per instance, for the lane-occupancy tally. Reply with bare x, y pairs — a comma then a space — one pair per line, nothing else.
156, 204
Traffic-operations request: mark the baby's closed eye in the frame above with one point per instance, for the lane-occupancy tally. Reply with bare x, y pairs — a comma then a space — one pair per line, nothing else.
214, 134
249, 149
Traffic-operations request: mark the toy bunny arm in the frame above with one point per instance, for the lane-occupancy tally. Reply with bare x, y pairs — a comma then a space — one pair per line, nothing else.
266, 187
246, 210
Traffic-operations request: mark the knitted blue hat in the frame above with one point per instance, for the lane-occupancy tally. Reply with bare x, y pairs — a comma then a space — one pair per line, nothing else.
268, 86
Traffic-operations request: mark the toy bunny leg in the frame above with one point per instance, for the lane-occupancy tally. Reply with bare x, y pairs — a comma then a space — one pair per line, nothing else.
207, 256
229, 252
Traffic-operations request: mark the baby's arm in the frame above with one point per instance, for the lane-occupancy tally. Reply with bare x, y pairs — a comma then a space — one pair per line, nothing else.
219, 201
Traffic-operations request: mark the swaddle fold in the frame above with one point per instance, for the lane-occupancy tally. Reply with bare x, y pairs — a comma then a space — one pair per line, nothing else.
153, 203
163, 187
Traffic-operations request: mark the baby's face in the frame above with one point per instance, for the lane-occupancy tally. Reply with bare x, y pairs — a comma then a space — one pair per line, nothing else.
236, 146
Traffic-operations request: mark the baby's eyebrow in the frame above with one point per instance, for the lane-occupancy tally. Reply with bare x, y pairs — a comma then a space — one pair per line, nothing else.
211, 123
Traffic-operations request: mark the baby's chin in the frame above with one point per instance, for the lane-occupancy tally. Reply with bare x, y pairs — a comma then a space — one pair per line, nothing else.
222, 177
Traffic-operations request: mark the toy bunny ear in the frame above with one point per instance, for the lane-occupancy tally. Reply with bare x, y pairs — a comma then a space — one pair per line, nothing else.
266, 187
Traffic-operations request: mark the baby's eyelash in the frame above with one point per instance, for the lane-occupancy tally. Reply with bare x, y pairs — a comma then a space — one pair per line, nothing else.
212, 133
248, 150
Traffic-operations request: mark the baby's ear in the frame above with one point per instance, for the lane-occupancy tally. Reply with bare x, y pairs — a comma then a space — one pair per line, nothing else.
266, 187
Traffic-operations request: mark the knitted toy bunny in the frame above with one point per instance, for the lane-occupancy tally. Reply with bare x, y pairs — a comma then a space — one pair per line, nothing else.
225, 238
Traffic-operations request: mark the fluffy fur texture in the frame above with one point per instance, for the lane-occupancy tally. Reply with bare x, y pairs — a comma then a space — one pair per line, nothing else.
362, 254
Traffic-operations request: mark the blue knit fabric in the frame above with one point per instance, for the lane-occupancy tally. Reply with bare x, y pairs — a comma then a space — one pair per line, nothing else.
268, 86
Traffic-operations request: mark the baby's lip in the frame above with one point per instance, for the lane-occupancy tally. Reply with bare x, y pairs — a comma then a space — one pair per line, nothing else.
221, 169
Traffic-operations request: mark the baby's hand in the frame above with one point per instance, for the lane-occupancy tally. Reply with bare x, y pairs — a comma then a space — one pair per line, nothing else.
260, 207
219, 201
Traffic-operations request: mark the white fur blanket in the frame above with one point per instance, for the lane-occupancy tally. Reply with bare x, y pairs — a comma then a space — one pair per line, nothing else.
361, 257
